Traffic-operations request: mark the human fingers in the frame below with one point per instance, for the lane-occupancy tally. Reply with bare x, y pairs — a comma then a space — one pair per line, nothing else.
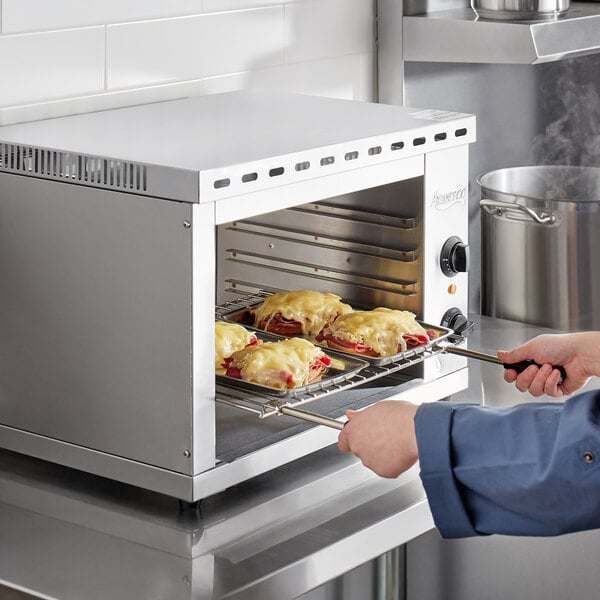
546, 348
510, 375
525, 379
344, 437
537, 387
553, 385
343, 441
516, 355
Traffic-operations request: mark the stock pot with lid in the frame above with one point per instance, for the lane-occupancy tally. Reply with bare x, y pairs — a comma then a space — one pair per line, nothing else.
540, 244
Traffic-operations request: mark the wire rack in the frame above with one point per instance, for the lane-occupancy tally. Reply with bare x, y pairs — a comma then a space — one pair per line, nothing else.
265, 404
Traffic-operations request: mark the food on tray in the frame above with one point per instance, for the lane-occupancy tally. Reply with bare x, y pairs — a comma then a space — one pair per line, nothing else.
229, 338
301, 312
285, 364
379, 332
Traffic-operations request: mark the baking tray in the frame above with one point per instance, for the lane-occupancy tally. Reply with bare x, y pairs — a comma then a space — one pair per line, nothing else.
347, 367
244, 317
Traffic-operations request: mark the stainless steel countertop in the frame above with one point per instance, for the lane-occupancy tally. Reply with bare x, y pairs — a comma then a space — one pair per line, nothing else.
70, 535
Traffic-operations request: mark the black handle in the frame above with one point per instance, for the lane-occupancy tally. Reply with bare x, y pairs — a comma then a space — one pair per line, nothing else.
519, 367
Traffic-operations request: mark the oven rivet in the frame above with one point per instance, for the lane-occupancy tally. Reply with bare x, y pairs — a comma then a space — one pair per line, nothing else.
270, 245
187, 224
187, 453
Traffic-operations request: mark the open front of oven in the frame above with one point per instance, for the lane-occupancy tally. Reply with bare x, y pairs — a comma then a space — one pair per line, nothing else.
380, 246
366, 247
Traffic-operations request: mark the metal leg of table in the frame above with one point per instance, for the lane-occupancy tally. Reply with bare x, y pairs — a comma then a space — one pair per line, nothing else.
390, 575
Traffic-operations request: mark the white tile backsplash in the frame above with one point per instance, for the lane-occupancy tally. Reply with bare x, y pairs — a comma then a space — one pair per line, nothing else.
50, 109
51, 65
366, 89
221, 5
45, 15
343, 27
192, 47
148, 50
332, 77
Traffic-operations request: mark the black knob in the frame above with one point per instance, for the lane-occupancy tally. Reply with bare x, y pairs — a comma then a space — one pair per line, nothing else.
454, 319
454, 257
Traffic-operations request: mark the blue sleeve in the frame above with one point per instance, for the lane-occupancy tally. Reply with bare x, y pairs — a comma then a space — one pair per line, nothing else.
533, 469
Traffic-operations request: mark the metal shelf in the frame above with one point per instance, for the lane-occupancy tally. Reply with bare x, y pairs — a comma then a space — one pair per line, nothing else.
459, 36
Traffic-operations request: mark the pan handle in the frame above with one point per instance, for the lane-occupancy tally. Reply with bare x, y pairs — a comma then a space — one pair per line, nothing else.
519, 367
305, 415
498, 207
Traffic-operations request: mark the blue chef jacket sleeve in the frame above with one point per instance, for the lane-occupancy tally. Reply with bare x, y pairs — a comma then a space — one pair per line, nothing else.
532, 469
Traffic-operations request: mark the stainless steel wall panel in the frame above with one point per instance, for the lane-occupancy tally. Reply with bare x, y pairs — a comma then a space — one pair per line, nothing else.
504, 134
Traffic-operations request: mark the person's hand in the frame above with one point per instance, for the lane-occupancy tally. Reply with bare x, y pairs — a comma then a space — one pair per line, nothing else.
382, 436
578, 353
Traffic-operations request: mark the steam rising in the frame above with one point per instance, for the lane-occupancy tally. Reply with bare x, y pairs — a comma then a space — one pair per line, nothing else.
573, 138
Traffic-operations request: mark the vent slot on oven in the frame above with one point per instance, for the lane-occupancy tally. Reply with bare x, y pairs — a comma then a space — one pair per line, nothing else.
365, 247
74, 168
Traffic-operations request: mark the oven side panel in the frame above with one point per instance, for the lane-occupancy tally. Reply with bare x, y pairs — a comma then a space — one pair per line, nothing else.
95, 320
446, 215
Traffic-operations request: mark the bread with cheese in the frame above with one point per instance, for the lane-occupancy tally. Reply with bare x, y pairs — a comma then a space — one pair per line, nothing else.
229, 338
286, 364
380, 332
299, 312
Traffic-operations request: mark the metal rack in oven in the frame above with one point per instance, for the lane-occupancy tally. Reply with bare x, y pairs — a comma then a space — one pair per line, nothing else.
366, 246
287, 402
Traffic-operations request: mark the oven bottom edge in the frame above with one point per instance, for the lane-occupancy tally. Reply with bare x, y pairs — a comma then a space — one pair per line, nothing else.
191, 488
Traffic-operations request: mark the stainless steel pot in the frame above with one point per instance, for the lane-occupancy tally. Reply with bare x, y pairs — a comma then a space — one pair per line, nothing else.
540, 242
520, 10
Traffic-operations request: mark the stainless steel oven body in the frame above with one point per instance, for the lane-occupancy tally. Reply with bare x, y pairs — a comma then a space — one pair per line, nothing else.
122, 232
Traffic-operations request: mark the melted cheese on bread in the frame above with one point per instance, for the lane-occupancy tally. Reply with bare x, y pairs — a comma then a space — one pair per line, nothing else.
313, 310
272, 363
229, 338
381, 329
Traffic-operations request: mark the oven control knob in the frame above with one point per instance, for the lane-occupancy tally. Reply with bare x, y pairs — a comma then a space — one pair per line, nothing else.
454, 319
454, 257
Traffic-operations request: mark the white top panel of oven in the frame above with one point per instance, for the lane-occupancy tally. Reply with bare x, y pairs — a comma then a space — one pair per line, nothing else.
228, 132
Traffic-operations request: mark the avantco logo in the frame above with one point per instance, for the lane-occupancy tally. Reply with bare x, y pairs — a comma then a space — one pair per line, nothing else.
447, 199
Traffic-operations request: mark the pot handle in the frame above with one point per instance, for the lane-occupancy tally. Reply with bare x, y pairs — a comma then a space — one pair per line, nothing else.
497, 207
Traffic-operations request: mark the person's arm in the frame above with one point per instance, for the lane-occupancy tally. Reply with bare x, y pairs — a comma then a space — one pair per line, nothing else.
528, 470
578, 353
532, 470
